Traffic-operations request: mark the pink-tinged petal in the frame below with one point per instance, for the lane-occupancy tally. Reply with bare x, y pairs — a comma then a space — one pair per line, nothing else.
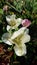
26, 23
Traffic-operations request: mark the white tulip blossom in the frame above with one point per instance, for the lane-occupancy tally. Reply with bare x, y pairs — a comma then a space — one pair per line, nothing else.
19, 38
13, 22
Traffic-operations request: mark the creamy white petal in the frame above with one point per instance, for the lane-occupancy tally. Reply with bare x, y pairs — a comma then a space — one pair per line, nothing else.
17, 33
8, 18
8, 27
20, 51
7, 42
25, 38
13, 16
5, 38
13, 22
16, 23
11, 19
19, 20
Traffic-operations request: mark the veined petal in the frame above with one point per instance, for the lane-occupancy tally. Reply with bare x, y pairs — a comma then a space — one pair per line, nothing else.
20, 51
17, 33
5, 38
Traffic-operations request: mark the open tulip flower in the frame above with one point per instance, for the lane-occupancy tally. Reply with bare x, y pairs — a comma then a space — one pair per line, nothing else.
19, 38
13, 22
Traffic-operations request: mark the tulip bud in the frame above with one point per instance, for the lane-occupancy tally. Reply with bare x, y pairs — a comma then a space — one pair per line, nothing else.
26, 23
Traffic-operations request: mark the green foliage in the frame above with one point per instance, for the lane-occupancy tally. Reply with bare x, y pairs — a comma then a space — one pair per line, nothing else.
20, 4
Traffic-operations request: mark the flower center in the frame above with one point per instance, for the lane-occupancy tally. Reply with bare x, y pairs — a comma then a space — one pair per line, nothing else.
17, 40
13, 23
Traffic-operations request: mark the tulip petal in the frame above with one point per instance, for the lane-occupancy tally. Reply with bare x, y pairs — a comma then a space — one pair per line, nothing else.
7, 42
18, 22
25, 38
13, 16
20, 51
8, 18
8, 27
17, 33
5, 38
